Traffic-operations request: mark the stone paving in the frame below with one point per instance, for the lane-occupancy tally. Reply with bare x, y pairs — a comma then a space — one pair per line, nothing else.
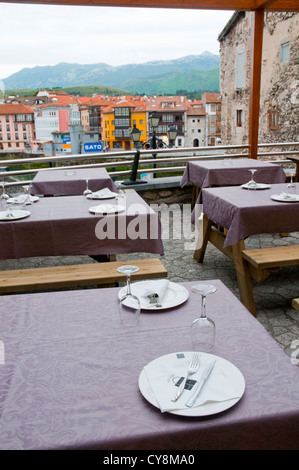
272, 297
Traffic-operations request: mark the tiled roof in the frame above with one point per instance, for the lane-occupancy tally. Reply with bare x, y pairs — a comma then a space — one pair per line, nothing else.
15, 109
196, 111
212, 97
159, 103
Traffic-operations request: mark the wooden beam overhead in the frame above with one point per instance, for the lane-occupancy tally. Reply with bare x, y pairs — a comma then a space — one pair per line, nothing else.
273, 5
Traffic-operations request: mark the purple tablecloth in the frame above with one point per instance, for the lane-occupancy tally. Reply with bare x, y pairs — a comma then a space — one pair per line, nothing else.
247, 212
67, 182
207, 173
60, 226
70, 377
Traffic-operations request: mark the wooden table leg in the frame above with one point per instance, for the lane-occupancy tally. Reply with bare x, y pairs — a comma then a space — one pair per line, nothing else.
243, 277
233, 252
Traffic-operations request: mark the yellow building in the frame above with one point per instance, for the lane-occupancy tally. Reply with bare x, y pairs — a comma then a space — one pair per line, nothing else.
119, 119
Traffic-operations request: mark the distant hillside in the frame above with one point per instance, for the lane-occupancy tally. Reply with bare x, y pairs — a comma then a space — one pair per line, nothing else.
196, 72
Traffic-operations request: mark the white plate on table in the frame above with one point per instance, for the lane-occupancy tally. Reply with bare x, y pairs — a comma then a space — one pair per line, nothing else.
15, 200
103, 195
258, 186
17, 214
282, 198
175, 295
232, 373
104, 209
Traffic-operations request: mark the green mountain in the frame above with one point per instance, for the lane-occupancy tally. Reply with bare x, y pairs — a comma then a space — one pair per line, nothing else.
195, 72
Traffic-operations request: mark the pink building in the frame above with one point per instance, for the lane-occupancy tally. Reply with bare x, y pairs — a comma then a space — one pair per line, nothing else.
17, 128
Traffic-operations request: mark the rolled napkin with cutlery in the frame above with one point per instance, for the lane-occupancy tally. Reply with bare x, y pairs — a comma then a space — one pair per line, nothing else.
150, 291
164, 377
102, 194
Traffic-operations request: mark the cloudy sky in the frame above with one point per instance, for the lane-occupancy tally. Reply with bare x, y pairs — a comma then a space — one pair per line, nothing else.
33, 35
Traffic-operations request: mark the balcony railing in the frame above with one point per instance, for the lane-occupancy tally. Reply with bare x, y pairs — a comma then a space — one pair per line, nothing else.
168, 161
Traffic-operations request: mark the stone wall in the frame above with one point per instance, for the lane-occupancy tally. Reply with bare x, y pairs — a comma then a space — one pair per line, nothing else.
279, 81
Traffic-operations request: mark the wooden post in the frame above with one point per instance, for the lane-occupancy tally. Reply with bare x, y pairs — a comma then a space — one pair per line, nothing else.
255, 79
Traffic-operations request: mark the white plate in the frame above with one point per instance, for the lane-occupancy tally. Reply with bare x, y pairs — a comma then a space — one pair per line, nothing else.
175, 295
106, 209
13, 200
98, 195
258, 186
281, 198
17, 214
232, 373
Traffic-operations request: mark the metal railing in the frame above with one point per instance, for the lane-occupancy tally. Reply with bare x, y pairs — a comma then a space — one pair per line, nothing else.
172, 160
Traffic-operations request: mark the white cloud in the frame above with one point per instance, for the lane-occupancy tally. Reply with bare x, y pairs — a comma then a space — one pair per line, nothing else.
47, 35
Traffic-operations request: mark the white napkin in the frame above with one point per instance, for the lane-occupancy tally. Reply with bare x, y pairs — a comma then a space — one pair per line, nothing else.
143, 290
163, 375
285, 195
20, 199
102, 193
105, 208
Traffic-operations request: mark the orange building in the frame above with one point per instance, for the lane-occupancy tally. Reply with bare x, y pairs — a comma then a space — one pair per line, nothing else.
119, 118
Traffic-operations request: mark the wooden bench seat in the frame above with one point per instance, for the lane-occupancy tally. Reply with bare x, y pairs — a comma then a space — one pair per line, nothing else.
264, 260
55, 277
295, 304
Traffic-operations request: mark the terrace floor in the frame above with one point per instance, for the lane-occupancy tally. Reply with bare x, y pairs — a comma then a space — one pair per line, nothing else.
273, 296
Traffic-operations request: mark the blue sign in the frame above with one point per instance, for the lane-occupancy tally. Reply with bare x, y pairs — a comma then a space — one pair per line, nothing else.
66, 140
95, 147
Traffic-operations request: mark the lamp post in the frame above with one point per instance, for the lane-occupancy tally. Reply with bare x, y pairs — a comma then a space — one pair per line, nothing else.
171, 134
135, 136
154, 122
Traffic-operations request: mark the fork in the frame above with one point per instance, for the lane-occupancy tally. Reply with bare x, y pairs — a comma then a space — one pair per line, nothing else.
193, 367
153, 300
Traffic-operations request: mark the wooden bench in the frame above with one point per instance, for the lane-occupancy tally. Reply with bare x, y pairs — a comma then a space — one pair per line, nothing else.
295, 304
264, 260
54, 277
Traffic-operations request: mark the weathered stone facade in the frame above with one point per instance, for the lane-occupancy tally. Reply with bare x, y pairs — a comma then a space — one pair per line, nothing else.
279, 82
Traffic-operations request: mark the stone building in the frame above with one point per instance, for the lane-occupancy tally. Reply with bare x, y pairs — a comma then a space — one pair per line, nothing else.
279, 95
195, 125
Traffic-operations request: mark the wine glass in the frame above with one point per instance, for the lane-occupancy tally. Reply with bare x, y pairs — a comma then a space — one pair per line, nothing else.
252, 184
203, 328
129, 304
27, 199
87, 191
291, 185
3, 197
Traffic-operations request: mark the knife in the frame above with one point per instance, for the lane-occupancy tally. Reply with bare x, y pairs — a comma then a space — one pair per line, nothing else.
201, 381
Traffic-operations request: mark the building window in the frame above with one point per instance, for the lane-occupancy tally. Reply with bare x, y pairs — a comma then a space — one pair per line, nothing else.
239, 117
122, 112
285, 52
273, 120
240, 82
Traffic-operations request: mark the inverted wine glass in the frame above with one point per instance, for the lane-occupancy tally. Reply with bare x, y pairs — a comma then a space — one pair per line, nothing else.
252, 183
3, 197
203, 328
27, 199
87, 191
291, 185
129, 305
